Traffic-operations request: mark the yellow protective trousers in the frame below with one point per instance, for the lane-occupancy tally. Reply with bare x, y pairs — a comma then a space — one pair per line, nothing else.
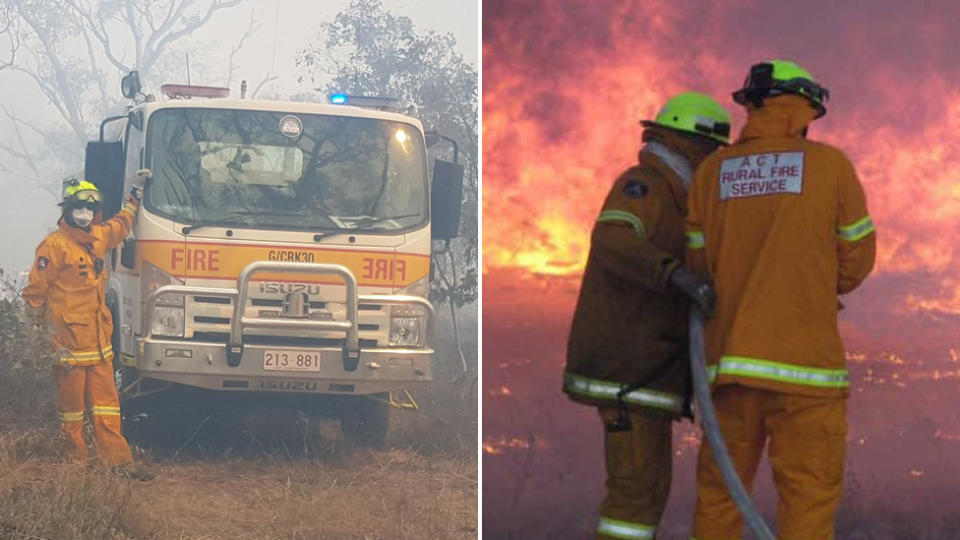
638, 475
93, 385
807, 444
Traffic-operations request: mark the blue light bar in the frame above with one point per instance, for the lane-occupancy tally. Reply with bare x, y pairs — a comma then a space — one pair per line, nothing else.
338, 99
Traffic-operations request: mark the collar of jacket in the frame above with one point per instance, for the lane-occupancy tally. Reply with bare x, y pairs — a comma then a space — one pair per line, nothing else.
79, 236
677, 163
781, 116
691, 149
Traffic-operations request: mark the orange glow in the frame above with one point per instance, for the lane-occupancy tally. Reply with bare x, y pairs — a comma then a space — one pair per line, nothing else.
560, 122
500, 445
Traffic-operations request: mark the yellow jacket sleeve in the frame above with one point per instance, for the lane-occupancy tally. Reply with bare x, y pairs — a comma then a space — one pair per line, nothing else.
115, 229
856, 236
623, 236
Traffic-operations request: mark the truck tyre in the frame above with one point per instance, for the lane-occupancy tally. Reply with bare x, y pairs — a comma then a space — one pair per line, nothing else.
366, 421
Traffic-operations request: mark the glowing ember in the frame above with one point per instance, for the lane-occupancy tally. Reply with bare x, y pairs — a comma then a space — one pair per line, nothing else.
940, 434
500, 445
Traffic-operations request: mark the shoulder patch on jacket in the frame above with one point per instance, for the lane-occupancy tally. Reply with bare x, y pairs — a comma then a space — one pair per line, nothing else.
635, 189
42, 263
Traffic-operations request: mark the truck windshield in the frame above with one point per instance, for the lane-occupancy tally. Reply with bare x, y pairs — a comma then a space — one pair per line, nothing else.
264, 169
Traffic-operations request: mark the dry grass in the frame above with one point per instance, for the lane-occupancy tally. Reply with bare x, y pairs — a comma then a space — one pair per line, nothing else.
425, 487
365, 495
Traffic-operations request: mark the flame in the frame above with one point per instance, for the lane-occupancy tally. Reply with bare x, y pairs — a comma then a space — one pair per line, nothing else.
501, 445
565, 85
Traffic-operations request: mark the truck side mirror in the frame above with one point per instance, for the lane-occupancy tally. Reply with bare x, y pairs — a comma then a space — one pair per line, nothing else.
105, 168
446, 197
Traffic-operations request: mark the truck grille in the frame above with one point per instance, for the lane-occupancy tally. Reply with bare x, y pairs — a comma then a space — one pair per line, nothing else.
224, 337
210, 321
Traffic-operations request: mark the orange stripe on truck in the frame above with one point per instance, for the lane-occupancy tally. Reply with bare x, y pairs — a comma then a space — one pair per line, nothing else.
216, 260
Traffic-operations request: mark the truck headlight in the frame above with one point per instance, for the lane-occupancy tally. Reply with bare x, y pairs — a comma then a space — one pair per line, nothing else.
405, 331
167, 321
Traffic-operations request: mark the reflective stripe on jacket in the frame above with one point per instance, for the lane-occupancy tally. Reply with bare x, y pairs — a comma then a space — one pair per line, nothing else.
618, 528
585, 387
68, 281
780, 225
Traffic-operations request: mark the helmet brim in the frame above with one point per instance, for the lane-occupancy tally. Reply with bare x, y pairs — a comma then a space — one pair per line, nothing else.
709, 137
746, 95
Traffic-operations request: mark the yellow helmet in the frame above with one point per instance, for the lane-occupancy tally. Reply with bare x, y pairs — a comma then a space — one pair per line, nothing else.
778, 77
696, 113
80, 191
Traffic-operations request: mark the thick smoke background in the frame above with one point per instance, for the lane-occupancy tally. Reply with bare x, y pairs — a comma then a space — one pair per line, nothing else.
564, 87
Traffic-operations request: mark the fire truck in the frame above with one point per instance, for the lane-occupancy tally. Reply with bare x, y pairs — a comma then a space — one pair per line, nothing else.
281, 248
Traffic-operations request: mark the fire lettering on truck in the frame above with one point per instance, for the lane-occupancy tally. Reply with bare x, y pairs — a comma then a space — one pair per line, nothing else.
761, 174
207, 260
378, 268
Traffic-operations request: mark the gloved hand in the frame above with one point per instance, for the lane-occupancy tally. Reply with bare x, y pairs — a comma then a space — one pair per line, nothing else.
139, 181
698, 289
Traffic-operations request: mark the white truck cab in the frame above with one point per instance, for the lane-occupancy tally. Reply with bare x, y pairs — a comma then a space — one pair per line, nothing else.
280, 247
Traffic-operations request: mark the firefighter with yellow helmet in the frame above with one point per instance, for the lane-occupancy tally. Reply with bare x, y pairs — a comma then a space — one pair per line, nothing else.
66, 290
780, 226
627, 349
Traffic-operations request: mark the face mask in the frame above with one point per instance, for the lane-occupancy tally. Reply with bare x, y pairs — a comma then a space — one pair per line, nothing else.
82, 217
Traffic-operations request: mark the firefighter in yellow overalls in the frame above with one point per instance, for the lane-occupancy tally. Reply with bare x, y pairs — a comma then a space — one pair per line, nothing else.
66, 290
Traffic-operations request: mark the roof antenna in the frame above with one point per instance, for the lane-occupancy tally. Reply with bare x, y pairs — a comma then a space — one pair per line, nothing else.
188, 68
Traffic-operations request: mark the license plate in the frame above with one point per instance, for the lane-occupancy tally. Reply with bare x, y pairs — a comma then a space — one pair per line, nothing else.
289, 360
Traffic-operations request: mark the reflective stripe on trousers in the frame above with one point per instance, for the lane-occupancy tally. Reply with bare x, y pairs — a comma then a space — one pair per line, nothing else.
624, 529
780, 372
70, 416
89, 357
597, 389
104, 410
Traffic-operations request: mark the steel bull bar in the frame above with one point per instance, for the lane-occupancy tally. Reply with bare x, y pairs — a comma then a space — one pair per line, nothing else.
239, 321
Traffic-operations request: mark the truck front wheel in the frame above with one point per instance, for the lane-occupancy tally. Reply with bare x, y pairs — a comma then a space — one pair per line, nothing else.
365, 421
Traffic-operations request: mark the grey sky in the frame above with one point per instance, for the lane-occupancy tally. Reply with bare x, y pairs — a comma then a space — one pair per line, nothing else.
286, 26
458, 17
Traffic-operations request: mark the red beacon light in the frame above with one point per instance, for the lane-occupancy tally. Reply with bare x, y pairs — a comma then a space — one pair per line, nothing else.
175, 91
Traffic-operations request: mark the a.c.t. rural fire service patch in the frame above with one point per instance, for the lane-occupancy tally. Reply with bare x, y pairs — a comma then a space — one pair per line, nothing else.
761, 174
42, 262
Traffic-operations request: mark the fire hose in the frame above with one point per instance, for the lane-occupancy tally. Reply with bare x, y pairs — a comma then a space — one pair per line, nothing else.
711, 430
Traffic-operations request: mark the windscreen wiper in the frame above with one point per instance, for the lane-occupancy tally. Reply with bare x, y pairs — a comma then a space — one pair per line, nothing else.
371, 220
228, 220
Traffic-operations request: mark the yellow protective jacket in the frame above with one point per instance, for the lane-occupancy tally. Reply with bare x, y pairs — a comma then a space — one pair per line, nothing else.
68, 281
630, 325
780, 225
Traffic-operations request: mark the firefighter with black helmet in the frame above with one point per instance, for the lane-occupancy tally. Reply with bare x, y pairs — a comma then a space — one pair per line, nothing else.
780, 225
